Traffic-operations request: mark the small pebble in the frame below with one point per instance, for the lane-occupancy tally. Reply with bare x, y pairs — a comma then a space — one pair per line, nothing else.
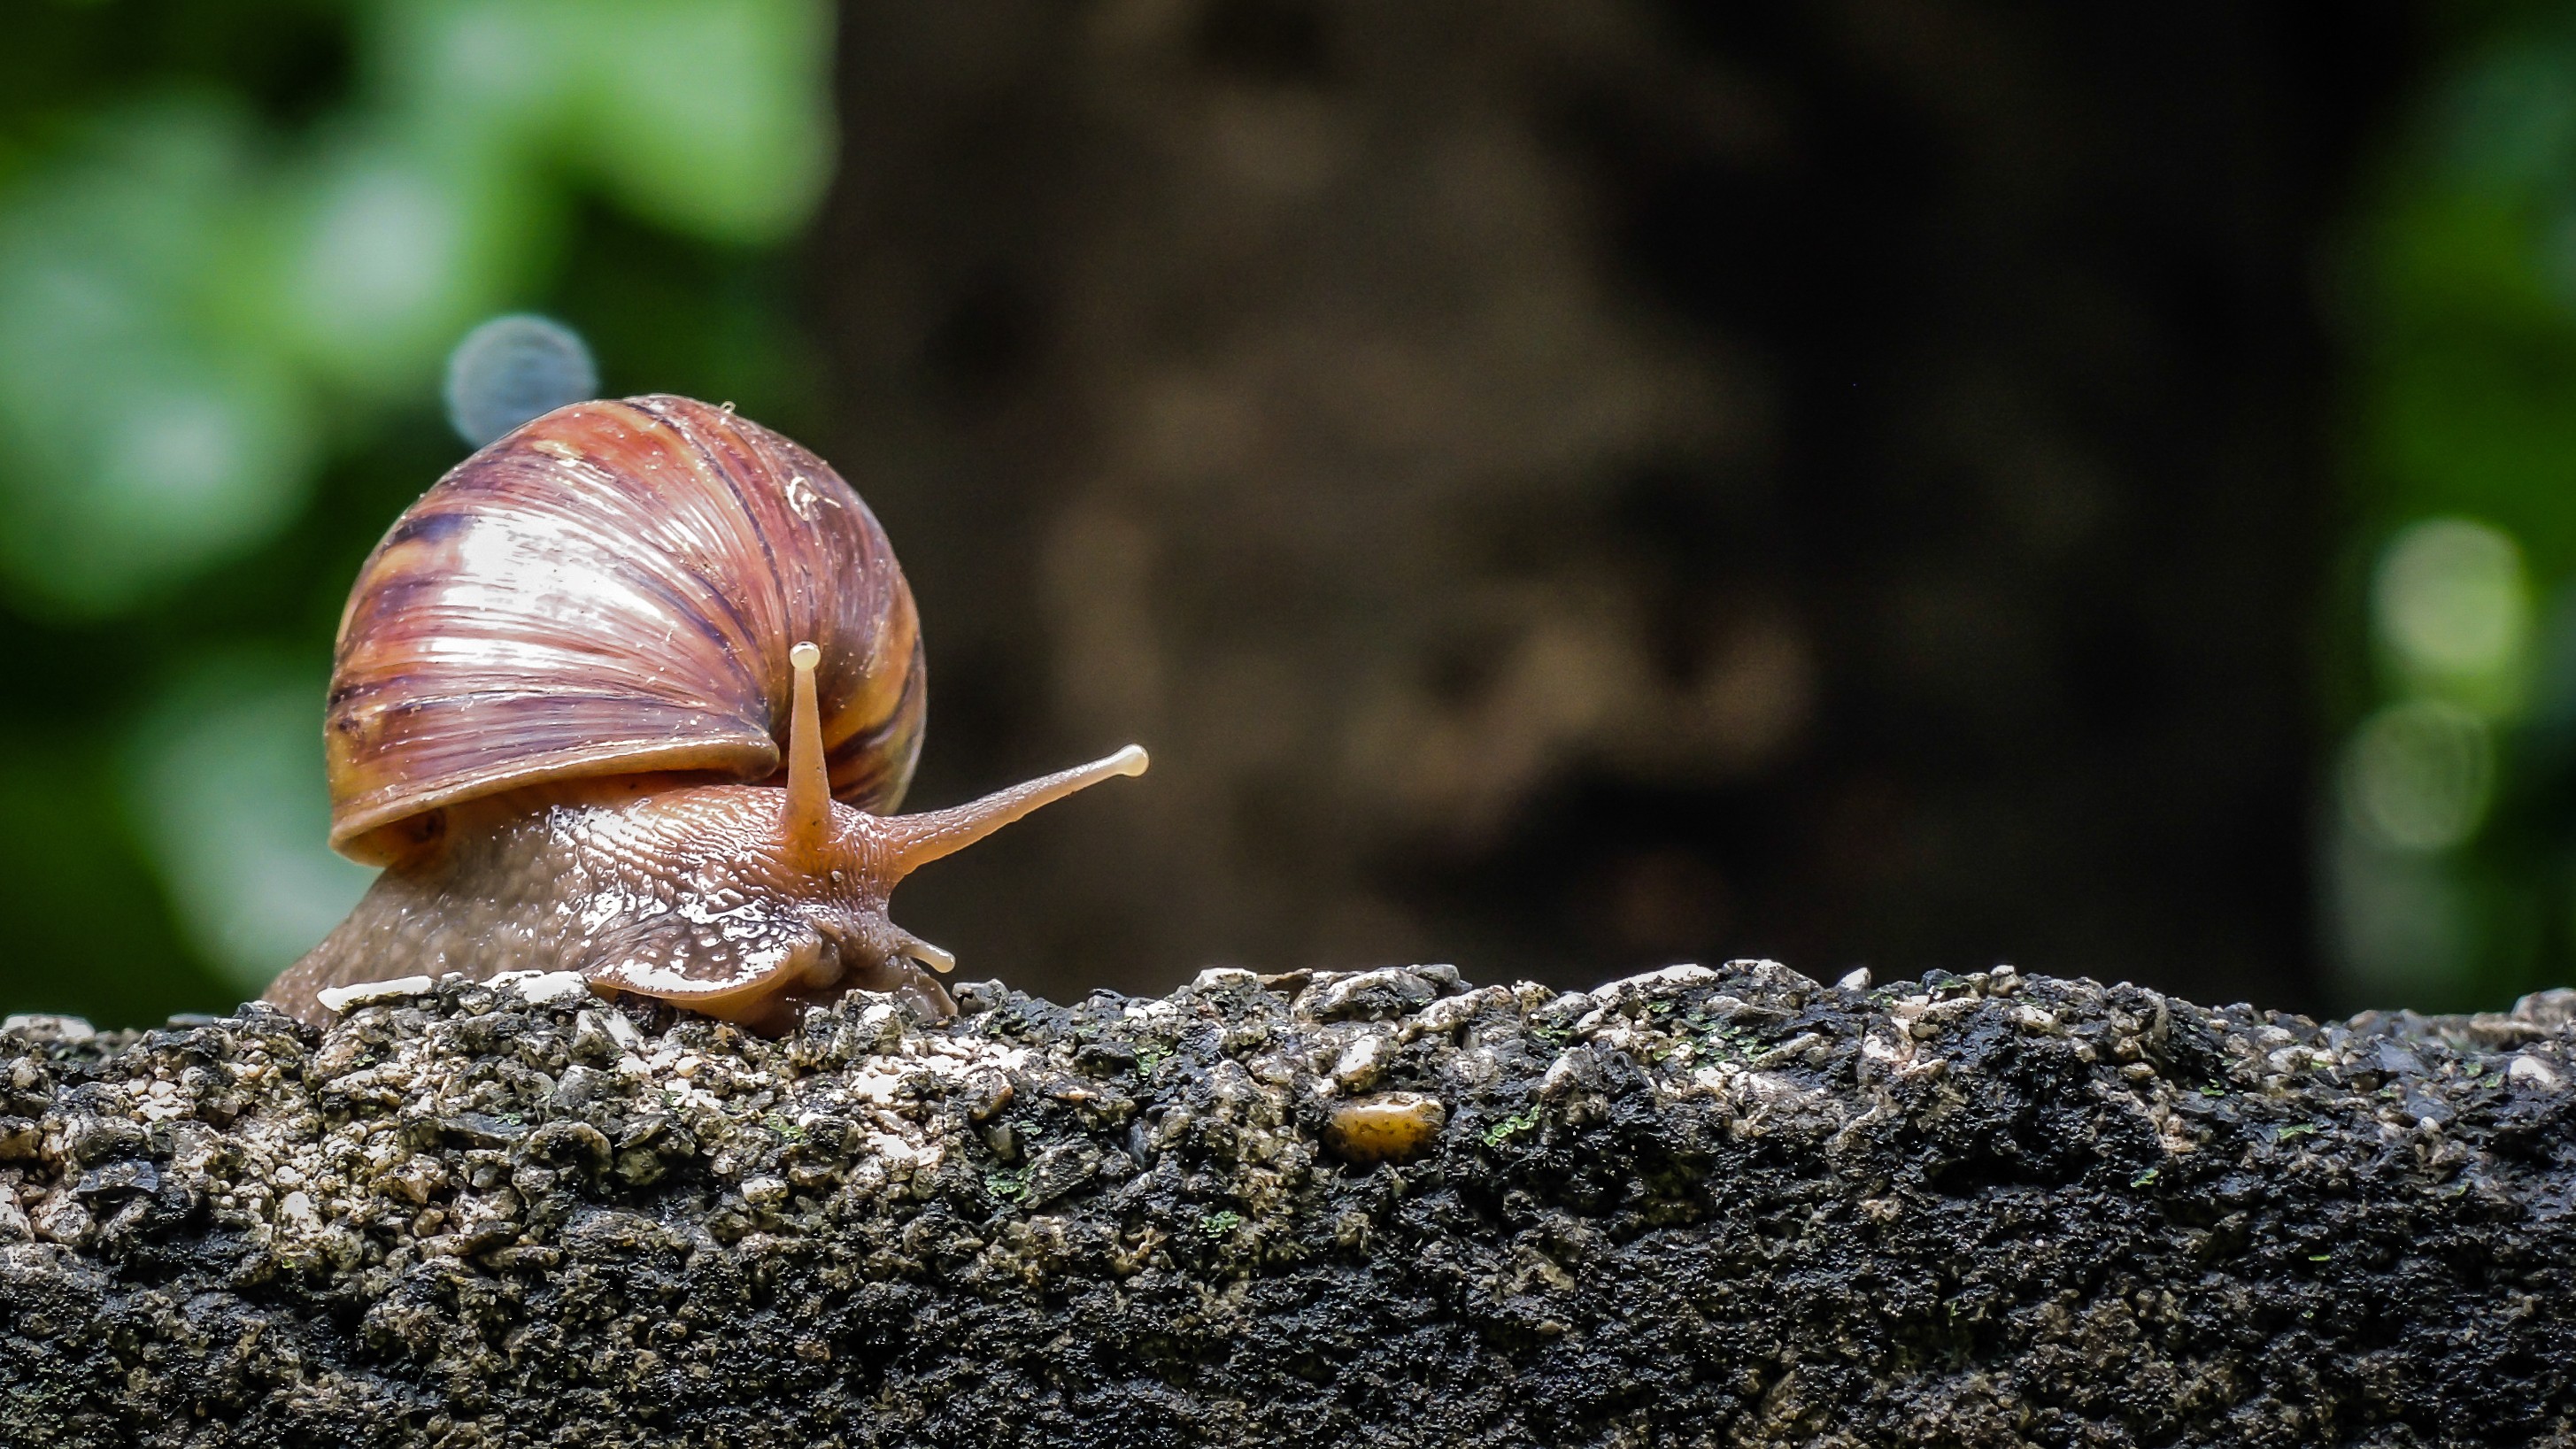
986, 1095
1389, 1127
1362, 1063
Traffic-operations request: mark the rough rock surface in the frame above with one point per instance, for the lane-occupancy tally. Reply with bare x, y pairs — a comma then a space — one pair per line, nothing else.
1728, 1207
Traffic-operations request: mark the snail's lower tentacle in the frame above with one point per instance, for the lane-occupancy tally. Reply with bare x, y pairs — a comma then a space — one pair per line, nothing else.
934, 957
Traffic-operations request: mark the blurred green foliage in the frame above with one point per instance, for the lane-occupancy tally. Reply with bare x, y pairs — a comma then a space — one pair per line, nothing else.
237, 238
2451, 848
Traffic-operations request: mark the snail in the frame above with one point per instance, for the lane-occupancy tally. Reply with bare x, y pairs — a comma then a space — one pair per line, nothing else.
627, 693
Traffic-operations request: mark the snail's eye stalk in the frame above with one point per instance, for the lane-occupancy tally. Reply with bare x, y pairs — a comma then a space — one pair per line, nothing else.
916, 840
806, 821
906, 842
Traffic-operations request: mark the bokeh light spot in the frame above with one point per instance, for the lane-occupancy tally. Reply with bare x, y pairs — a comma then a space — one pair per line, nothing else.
382, 258
2418, 775
2450, 601
512, 369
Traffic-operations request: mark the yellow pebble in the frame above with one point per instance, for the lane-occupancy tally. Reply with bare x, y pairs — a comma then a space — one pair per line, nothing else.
1388, 1127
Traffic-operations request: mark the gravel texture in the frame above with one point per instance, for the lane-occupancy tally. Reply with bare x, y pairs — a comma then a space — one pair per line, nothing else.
1721, 1207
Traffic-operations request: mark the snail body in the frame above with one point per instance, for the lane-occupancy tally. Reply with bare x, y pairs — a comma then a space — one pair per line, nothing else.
625, 694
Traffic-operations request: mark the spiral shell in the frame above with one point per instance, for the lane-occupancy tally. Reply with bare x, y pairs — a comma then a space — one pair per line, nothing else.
608, 590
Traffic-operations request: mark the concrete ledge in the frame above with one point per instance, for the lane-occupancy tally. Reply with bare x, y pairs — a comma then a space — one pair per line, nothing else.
1726, 1206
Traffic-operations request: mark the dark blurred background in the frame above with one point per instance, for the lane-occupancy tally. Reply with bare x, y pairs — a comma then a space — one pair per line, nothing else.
1561, 487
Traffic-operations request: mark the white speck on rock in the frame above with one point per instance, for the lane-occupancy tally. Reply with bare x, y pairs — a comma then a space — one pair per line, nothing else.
1878, 1049
1650, 983
1855, 980
365, 993
1559, 1077
896, 1152
295, 1214
620, 1030
44, 1024
545, 988
2530, 1071
1362, 1063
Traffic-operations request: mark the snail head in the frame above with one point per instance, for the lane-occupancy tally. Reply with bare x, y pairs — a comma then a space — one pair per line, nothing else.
818, 925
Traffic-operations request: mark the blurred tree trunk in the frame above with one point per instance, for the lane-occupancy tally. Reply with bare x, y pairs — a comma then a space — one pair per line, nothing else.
1569, 487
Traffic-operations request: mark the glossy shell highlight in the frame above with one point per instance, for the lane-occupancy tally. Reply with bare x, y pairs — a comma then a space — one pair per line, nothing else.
612, 589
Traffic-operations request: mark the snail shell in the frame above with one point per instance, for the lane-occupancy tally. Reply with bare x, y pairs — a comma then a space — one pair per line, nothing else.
620, 695
609, 590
